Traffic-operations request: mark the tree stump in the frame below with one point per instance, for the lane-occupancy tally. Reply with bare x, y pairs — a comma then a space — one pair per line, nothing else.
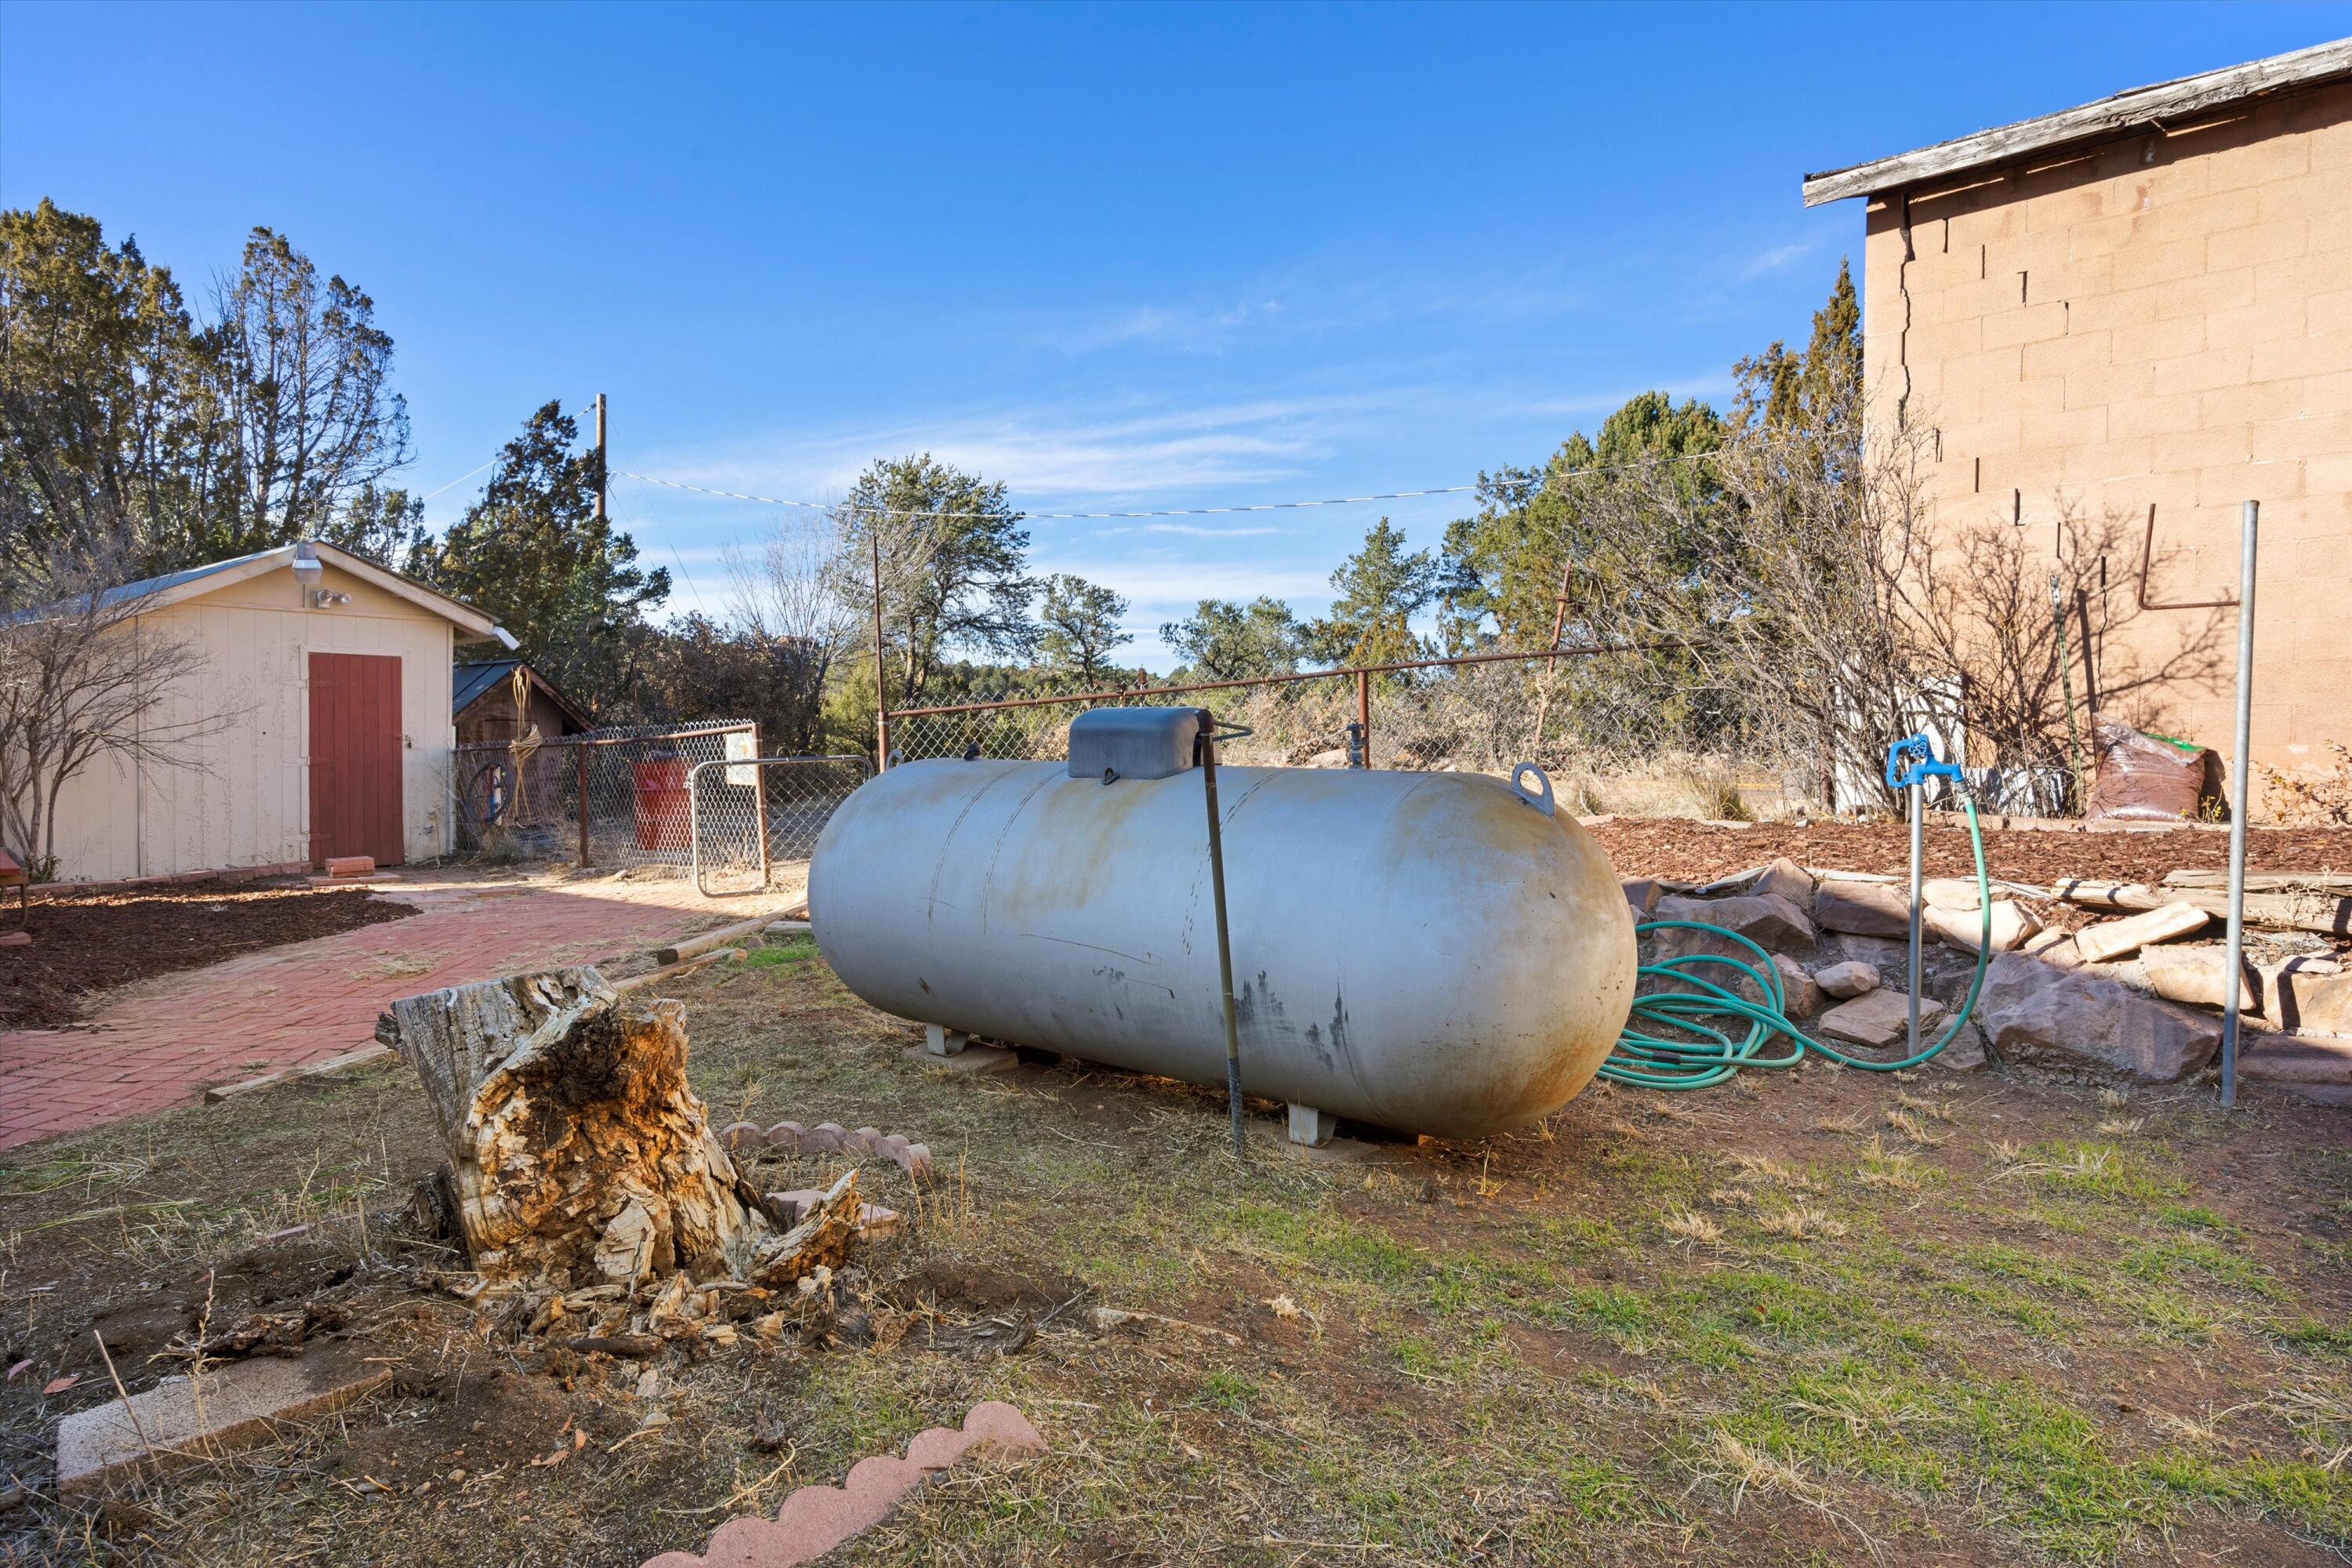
578, 1156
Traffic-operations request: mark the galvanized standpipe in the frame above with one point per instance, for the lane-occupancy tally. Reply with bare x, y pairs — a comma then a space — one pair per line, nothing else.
1918, 843
2241, 765
2066, 684
1208, 748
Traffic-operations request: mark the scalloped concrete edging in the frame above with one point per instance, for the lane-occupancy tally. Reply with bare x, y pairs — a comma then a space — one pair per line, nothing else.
831, 1138
815, 1520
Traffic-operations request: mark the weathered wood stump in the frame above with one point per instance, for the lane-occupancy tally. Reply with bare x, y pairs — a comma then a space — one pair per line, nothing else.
578, 1156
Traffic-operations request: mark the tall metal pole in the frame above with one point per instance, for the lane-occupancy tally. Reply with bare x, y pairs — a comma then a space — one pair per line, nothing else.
580, 761
881, 674
1364, 711
1918, 837
600, 457
1208, 746
2241, 765
759, 803
2066, 684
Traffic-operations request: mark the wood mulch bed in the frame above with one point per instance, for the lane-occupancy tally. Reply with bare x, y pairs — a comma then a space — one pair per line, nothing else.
88, 944
1683, 850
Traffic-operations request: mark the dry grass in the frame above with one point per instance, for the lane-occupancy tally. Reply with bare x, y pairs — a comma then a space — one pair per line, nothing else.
1550, 1348
1695, 1228
1802, 1222
1703, 787
1894, 1170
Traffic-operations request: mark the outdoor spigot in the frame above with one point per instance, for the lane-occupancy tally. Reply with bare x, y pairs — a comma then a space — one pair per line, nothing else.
1912, 761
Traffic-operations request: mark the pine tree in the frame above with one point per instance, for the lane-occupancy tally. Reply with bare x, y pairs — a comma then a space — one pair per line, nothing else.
532, 553
1380, 589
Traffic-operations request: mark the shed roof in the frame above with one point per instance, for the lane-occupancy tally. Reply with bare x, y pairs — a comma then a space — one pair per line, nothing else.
2118, 113
477, 679
174, 587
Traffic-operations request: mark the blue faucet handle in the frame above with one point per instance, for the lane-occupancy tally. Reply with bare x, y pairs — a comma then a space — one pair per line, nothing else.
1912, 761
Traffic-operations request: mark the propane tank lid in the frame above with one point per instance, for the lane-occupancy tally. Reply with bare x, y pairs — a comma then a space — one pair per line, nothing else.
1132, 743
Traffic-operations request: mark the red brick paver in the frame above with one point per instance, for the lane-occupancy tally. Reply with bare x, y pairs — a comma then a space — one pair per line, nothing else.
165, 1042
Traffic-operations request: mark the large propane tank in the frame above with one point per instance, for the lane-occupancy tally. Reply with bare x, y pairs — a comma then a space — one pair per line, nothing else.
1432, 952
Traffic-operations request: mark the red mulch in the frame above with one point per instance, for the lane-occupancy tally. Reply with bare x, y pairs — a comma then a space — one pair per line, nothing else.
88, 944
1679, 849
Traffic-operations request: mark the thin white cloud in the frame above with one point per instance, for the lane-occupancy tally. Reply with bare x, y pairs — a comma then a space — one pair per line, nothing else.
1058, 458
1777, 258
1154, 586
1188, 327
1048, 451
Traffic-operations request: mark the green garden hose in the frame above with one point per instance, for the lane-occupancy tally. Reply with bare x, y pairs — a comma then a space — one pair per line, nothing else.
1766, 1036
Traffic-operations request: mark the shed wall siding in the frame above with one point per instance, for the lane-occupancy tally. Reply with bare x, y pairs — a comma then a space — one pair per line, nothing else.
2167, 320
243, 799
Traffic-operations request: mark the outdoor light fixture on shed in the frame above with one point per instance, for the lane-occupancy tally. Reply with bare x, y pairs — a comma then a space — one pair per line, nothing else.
309, 571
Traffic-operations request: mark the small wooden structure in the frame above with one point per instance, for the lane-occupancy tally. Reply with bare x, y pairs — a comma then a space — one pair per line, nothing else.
483, 707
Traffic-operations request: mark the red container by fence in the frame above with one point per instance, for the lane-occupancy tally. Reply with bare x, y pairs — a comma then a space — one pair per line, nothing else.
661, 804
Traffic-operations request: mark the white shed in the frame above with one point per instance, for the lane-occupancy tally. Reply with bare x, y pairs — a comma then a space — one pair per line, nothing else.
330, 678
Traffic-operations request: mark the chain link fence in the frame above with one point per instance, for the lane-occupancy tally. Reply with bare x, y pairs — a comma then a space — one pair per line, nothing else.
1482, 712
754, 823
615, 799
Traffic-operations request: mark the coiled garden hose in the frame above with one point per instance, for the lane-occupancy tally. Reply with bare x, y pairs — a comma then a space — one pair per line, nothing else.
1768, 1039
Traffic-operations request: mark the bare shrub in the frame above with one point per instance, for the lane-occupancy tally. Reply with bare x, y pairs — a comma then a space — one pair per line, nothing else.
82, 680
2319, 800
1986, 616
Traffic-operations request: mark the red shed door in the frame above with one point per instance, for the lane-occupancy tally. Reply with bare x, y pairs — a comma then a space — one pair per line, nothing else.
355, 757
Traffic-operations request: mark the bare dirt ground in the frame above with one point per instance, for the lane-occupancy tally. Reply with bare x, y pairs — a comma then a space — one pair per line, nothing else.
92, 942
1817, 1317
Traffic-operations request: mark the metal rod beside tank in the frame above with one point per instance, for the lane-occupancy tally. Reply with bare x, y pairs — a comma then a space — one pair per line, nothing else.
1207, 742
2241, 765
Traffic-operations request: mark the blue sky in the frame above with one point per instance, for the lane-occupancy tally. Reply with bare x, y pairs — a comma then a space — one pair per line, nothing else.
1120, 259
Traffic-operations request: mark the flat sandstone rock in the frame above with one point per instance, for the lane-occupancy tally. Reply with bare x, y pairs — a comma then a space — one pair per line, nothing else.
1848, 980
238, 1404
2120, 939
2013, 925
1768, 919
1863, 909
1785, 878
2034, 1012
2193, 975
1881, 1020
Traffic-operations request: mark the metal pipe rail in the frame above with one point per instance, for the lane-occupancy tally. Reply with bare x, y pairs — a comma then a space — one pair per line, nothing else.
1129, 693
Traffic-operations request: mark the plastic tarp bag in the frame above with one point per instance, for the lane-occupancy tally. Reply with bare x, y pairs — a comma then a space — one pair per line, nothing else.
2140, 777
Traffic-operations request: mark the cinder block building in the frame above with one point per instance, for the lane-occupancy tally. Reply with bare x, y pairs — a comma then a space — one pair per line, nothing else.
2143, 307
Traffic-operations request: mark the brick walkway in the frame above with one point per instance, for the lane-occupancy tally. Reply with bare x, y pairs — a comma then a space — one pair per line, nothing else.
164, 1042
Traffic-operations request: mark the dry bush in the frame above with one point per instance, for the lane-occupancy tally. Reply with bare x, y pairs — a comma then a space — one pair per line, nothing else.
2310, 800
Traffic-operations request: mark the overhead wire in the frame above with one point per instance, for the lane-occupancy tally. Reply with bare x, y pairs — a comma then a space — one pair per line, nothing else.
460, 479
1163, 511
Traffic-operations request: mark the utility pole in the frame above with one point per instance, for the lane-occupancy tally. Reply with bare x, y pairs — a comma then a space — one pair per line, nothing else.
600, 458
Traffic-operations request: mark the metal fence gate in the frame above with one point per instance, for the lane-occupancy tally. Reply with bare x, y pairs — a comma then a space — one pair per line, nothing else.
754, 817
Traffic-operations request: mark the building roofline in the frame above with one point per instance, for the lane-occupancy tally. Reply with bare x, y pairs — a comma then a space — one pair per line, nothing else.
2119, 112
572, 709
197, 581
